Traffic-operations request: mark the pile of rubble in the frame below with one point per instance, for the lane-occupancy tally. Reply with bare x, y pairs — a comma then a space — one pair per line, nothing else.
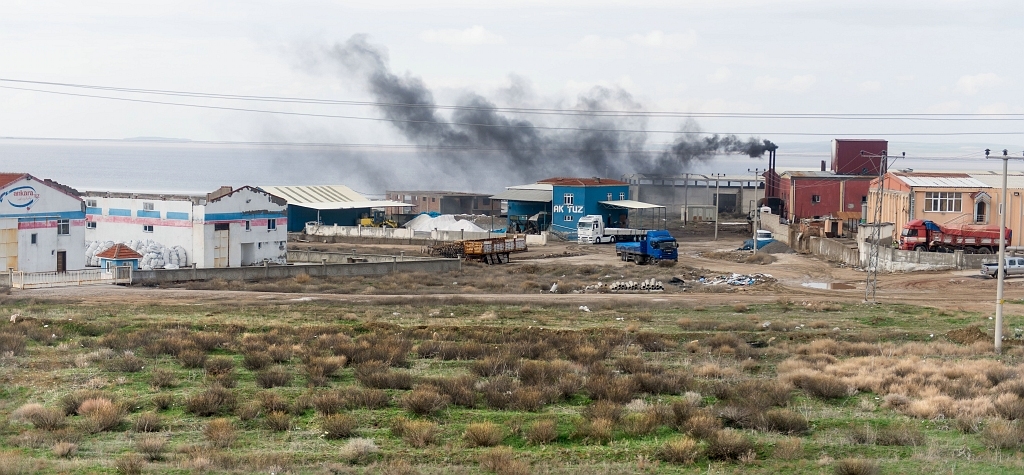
647, 285
737, 279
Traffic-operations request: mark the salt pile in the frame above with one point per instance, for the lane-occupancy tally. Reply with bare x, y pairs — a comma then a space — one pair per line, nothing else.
154, 254
445, 222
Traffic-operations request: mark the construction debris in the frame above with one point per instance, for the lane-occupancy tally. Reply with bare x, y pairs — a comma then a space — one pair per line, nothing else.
737, 279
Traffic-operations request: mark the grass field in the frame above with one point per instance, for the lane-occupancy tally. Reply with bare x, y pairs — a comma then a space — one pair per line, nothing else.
418, 385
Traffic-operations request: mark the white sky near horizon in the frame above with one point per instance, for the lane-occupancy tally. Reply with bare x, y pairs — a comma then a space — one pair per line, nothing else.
796, 56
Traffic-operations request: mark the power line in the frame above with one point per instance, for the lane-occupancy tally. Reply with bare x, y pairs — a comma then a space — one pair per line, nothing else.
544, 111
508, 125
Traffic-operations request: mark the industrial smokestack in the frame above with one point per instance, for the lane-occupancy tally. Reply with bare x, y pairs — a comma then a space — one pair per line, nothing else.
822, 165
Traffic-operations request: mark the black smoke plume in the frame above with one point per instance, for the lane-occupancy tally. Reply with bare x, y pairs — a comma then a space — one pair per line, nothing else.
479, 139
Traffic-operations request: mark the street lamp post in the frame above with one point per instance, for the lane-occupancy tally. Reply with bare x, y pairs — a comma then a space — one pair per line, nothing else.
1002, 257
718, 204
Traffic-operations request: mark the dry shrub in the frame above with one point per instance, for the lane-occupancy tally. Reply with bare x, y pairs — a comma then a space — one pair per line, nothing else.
419, 434
148, 422
789, 448
152, 446
163, 401
162, 378
483, 434
220, 432
543, 431
761, 258
101, 414
302, 279
130, 464
272, 402
256, 360
673, 382
503, 461
620, 389
728, 444
425, 400
529, 399
856, 466
192, 358
642, 423
495, 365
822, 386
968, 425
603, 410
900, 434
597, 431
359, 450
276, 376
702, 425
740, 308
338, 426
760, 394
249, 411
999, 434
319, 370
72, 401
63, 450
44, 418
329, 402
367, 399
679, 450
213, 400
278, 421
1010, 406
498, 392
377, 375
280, 353
998, 374
219, 365
126, 363
460, 389
783, 421
683, 409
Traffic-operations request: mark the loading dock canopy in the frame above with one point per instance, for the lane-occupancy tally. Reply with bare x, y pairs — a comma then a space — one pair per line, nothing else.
539, 196
629, 204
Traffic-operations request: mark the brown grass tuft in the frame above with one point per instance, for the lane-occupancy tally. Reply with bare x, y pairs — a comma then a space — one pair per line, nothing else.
213, 400
377, 375
679, 450
276, 376
425, 400
101, 414
220, 433
999, 434
419, 433
130, 464
503, 461
541, 432
162, 378
789, 448
338, 426
728, 444
359, 450
148, 422
597, 431
152, 446
278, 421
64, 449
483, 434
856, 466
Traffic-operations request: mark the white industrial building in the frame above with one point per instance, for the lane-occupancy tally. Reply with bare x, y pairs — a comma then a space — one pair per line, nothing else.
42, 225
227, 228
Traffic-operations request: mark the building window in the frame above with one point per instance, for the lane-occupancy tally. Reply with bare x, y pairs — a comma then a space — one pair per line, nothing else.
90, 203
487, 202
815, 198
63, 227
622, 195
567, 199
942, 201
271, 224
568, 218
433, 200
248, 226
147, 228
147, 206
221, 226
424, 199
981, 212
90, 225
35, 238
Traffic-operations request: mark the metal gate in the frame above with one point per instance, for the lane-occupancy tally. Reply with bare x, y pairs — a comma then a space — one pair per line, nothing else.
37, 280
221, 245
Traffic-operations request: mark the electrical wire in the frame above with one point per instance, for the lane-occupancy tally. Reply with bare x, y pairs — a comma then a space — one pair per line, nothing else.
546, 111
510, 125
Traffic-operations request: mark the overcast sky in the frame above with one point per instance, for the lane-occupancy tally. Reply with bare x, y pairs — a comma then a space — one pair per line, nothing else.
709, 56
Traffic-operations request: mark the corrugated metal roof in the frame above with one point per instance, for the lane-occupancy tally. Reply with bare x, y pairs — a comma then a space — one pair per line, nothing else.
630, 204
539, 196
996, 181
315, 194
942, 181
532, 186
352, 204
570, 181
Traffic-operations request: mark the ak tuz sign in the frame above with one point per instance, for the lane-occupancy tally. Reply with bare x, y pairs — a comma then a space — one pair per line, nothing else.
20, 197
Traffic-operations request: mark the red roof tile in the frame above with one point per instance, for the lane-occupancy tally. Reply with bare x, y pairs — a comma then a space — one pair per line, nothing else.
119, 251
567, 181
7, 178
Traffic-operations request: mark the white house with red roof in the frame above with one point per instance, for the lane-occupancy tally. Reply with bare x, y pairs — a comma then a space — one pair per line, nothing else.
42, 225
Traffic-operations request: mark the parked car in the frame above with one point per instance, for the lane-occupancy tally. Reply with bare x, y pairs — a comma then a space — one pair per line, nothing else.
1014, 266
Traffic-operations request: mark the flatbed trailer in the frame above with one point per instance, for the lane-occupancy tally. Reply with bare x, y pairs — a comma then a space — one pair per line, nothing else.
489, 251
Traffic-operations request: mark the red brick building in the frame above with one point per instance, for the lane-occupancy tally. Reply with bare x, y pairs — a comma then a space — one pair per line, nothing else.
840, 192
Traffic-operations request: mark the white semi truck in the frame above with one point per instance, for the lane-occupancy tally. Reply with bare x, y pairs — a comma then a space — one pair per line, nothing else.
590, 230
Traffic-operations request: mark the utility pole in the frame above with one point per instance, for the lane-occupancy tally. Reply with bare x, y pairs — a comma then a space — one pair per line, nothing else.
876, 229
757, 207
1002, 257
686, 199
718, 204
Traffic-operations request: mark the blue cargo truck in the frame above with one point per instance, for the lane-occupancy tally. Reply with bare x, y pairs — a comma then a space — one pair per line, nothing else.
655, 246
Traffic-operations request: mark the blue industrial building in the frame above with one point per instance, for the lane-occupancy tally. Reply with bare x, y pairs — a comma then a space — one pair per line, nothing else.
557, 204
328, 205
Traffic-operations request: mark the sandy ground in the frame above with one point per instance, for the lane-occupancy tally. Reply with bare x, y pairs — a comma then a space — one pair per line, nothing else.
966, 290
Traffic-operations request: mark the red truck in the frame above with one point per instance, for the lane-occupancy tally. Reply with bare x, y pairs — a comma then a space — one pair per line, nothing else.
924, 235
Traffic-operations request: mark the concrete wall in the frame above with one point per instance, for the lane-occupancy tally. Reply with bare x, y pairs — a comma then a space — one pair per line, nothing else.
281, 272
834, 251
401, 234
317, 257
771, 223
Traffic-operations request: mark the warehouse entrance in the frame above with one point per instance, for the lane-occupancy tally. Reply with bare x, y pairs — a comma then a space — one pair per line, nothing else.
221, 244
